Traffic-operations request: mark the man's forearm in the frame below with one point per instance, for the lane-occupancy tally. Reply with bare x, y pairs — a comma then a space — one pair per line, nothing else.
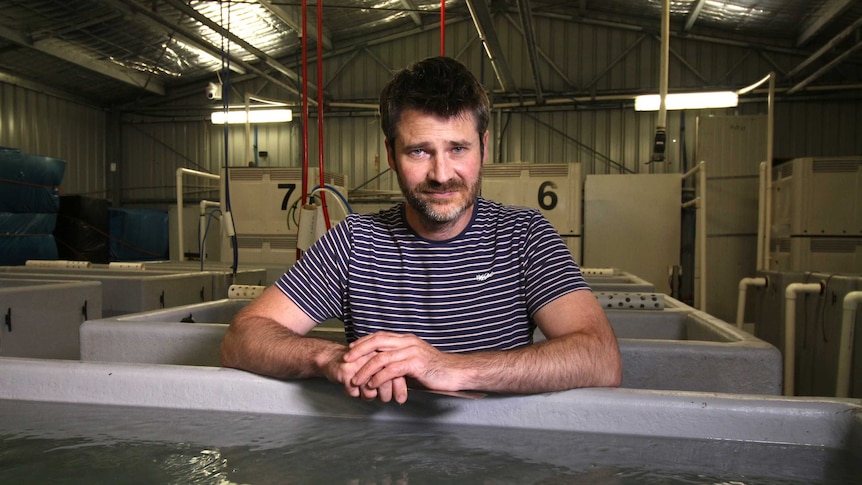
563, 363
264, 347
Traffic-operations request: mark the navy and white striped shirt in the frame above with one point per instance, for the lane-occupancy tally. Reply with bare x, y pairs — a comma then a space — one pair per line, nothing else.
476, 291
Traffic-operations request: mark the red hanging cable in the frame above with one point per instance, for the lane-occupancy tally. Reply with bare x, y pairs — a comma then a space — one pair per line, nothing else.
304, 106
443, 27
320, 112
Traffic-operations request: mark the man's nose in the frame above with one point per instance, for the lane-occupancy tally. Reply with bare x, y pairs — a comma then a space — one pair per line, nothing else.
441, 168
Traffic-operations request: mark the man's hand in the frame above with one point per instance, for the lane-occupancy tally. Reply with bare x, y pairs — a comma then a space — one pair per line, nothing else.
385, 357
339, 370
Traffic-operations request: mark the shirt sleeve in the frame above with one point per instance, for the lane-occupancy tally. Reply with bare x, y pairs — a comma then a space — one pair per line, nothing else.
317, 282
549, 270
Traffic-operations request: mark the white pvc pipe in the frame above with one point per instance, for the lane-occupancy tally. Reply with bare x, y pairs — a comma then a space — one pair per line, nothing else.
744, 283
761, 216
790, 330
845, 351
700, 228
701, 223
664, 60
767, 225
180, 173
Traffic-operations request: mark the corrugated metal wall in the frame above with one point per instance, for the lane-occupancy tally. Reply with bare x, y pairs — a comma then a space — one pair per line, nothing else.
732, 148
574, 57
152, 153
45, 125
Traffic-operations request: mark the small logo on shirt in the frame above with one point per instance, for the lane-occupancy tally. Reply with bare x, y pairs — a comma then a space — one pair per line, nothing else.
484, 276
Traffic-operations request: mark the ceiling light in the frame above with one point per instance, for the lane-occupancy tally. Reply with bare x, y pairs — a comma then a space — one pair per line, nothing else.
254, 116
714, 99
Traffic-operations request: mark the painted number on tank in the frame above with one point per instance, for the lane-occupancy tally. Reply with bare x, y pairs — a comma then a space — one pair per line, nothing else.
547, 198
290, 188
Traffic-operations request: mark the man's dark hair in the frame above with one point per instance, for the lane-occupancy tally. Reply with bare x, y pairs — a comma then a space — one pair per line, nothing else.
439, 86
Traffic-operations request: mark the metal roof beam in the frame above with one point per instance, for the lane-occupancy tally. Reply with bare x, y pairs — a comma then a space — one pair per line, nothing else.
827, 46
410, 7
156, 22
15, 80
825, 14
69, 53
526, 16
693, 14
236, 64
823, 70
548, 60
488, 35
263, 56
292, 16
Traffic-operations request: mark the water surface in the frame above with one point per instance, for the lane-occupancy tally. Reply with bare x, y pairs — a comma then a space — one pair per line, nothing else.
72, 444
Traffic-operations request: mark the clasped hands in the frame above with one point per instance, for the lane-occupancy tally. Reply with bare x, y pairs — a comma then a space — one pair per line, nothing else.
378, 366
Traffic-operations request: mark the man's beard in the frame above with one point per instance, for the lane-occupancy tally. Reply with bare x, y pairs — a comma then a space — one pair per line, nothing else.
441, 212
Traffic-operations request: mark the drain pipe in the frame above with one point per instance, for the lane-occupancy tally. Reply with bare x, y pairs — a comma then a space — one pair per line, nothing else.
790, 329
845, 351
699, 203
744, 283
761, 217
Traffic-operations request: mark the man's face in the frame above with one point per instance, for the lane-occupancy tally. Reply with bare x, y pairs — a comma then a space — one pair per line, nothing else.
439, 166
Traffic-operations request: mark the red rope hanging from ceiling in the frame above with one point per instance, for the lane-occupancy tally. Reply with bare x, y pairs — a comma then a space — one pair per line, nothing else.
320, 111
304, 107
443, 27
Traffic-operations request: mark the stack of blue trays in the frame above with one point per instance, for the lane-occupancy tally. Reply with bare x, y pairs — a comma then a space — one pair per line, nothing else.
29, 202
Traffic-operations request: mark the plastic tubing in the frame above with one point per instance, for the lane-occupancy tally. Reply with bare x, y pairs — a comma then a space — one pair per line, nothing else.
790, 329
328, 188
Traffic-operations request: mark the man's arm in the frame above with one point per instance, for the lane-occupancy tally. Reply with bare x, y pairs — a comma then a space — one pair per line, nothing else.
581, 351
267, 337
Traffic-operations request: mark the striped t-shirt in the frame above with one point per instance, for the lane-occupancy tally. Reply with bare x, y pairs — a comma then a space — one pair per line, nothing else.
476, 291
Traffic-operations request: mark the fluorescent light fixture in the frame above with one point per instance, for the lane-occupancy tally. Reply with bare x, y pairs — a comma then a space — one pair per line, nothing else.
254, 116
714, 99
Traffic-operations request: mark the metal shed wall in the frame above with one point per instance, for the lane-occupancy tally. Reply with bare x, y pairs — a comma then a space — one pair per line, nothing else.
42, 124
573, 57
